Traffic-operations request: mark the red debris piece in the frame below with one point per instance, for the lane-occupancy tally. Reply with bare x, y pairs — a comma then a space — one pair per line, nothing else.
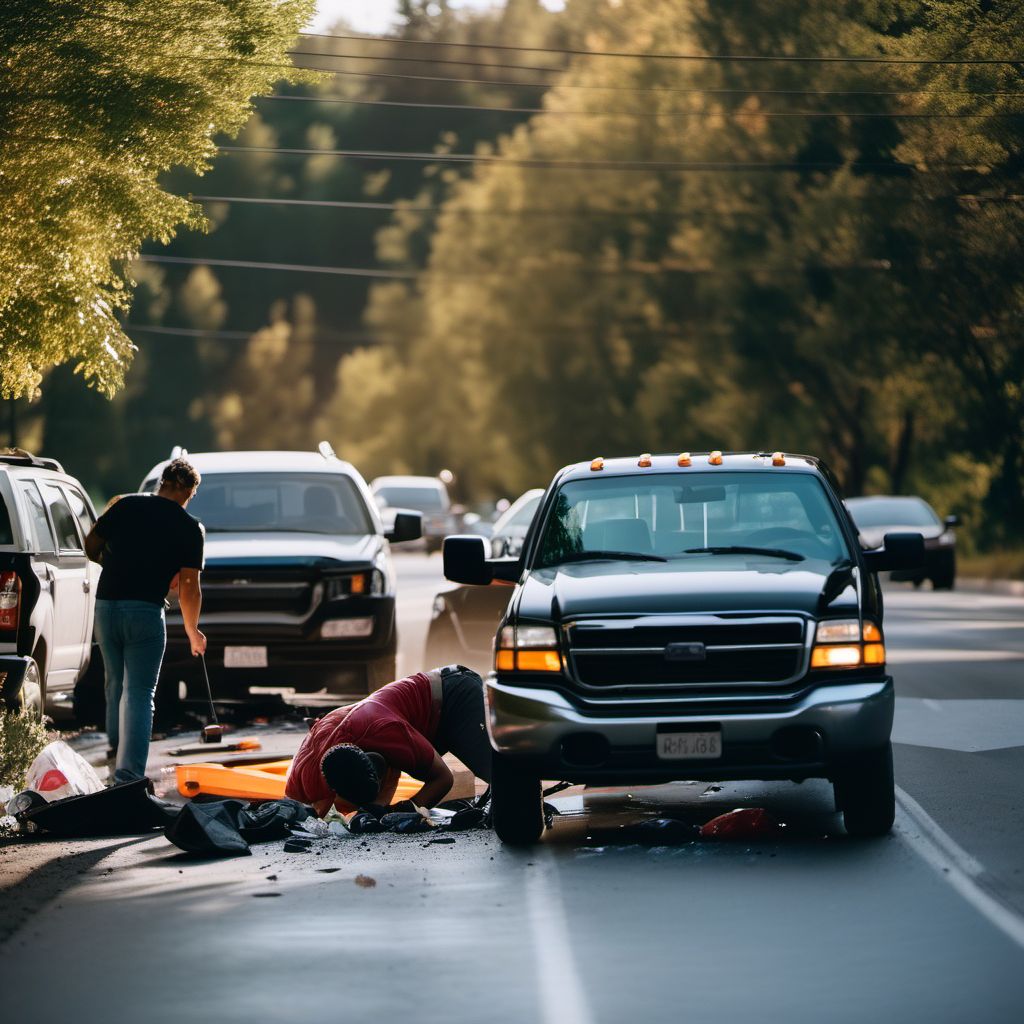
743, 823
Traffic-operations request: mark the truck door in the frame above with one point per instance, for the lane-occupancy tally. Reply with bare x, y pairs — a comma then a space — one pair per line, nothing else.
71, 593
82, 509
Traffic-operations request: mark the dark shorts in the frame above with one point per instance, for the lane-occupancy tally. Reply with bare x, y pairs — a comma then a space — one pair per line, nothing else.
461, 730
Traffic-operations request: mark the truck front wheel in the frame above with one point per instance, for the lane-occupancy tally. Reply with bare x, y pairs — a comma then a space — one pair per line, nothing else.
866, 792
517, 810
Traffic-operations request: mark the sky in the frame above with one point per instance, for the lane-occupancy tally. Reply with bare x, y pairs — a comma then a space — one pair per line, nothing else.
373, 16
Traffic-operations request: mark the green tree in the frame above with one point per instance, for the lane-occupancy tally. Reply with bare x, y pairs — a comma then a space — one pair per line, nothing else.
99, 99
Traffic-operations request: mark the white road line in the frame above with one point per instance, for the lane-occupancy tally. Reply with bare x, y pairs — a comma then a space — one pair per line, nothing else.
561, 996
954, 864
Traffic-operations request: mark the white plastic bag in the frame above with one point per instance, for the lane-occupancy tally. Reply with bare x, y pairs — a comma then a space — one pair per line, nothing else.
60, 772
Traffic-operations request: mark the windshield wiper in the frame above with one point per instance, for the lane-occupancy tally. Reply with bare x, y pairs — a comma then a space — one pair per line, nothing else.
621, 556
740, 549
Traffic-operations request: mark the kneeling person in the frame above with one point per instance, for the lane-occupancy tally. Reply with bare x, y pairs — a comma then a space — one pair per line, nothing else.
354, 755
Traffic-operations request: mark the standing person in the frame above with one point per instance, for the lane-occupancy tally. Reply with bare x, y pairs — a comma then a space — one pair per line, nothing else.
143, 541
354, 755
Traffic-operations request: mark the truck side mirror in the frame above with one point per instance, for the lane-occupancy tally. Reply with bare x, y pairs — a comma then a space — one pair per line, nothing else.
406, 526
952, 521
465, 560
898, 551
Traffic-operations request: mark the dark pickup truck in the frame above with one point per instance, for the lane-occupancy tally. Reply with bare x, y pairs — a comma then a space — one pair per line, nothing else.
694, 616
298, 588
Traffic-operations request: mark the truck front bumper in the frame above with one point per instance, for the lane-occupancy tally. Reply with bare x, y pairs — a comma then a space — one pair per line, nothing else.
545, 733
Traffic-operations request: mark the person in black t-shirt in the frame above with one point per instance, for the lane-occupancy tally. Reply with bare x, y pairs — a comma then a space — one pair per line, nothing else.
144, 542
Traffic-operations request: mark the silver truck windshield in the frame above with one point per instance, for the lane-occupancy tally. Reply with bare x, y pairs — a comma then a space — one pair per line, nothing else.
669, 516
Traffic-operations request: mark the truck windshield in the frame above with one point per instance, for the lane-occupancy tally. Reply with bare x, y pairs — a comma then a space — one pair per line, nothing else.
785, 516
280, 503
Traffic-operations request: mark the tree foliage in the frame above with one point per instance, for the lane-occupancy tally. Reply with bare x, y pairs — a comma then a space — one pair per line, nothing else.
99, 98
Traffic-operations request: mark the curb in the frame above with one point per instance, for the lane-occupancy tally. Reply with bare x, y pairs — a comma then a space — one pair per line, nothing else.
1010, 588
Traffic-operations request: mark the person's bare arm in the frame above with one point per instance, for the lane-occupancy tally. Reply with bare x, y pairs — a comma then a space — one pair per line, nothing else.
438, 782
190, 598
94, 546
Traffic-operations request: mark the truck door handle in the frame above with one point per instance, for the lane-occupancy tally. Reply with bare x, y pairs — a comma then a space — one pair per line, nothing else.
87, 585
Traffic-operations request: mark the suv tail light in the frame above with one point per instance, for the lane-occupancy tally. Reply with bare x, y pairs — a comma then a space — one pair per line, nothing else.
10, 600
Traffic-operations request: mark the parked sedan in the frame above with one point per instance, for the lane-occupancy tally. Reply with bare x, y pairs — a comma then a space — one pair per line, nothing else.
877, 516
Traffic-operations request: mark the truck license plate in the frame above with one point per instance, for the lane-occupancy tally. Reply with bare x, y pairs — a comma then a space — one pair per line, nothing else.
681, 746
245, 657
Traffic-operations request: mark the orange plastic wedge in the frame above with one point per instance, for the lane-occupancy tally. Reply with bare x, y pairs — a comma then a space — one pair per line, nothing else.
255, 781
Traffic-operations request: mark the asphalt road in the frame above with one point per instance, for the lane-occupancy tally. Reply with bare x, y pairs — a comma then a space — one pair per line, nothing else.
923, 925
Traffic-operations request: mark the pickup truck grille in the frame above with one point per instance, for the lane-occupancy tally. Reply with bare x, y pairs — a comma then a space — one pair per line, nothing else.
252, 590
637, 654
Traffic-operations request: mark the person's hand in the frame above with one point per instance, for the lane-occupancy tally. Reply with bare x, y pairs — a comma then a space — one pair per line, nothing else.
198, 642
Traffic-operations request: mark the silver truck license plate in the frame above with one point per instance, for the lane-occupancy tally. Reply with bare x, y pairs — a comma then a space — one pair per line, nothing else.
681, 746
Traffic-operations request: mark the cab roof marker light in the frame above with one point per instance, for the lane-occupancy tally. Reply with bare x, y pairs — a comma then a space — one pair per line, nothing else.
644, 462
715, 458
684, 460
778, 459
597, 465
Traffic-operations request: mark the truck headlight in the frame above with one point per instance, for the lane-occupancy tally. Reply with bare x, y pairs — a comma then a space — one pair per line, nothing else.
527, 649
842, 643
358, 584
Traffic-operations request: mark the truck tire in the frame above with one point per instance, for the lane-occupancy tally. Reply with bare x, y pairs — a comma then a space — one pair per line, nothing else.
31, 699
944, 577
517, 810
866, 792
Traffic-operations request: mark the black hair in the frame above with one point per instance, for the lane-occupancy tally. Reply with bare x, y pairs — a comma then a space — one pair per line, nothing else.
181, 475
351, 773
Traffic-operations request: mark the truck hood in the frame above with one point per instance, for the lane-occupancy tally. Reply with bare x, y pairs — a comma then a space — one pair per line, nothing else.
722, 583
299, 549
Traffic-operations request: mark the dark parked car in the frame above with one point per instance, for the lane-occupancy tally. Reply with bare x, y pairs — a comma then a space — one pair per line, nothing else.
47, 585
464, 619
298, 588
424, 494
877, 516
690, 617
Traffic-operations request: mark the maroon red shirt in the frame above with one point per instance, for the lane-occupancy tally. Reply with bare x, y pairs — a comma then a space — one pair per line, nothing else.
399, 722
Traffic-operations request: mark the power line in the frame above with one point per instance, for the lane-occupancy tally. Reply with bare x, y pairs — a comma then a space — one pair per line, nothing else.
758, 58
585, 165
642, 114
581, 212
504, 83
431, 60
646, 270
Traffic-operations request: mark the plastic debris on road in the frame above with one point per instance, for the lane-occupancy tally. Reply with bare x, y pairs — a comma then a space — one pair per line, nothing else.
59, 772
742, 823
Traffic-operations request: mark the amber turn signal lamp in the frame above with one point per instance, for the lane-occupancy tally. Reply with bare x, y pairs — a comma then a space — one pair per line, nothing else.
597, 464
874, 654
715, 459
505, 661
778, 459
684, 460
358, 584
538, 661
872, 632
644, 462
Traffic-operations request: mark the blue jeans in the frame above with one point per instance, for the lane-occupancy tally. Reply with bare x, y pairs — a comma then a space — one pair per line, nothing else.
132, 636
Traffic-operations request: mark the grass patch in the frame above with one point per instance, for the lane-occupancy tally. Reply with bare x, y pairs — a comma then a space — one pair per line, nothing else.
21, 739
994, 565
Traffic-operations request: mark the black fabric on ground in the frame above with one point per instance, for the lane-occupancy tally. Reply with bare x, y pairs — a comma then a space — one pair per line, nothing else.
404, 822
227, 827
364, 822
123, 810
470, 817
461, 730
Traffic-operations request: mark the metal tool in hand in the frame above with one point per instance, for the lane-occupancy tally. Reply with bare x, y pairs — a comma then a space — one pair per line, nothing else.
214, 732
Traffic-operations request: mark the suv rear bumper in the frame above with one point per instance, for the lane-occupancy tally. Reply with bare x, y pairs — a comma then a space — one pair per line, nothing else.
806, 740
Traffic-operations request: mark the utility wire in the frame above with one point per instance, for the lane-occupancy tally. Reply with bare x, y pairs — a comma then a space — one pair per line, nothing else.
579, 52
646, 270
548, 70
643, 114
625, 88
581, 212
587, 165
